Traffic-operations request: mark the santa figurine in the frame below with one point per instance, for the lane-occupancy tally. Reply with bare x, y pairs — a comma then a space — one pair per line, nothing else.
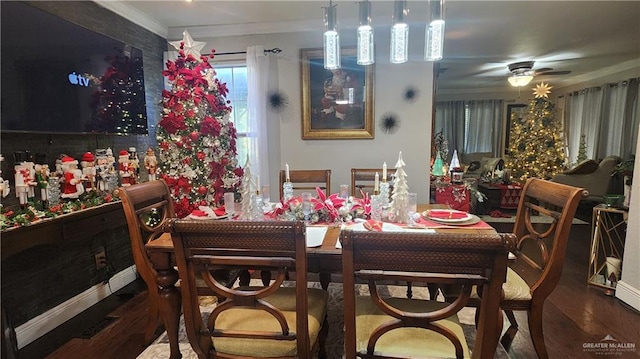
73, 186
88, 171
151, 164
125, 169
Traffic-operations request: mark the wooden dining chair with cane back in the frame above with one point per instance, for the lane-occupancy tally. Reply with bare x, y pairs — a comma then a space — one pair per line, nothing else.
307, 180
385, 327
258, 321
146, 207
538, 257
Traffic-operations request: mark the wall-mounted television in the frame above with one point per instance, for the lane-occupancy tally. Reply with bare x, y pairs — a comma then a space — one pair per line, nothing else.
58, 77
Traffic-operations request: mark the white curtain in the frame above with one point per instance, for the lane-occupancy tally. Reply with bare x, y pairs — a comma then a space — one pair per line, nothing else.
610, 140
450, 120
484, 127
257, 81
584, 116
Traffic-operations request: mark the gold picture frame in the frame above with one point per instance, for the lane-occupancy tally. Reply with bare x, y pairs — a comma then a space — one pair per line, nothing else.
336, 104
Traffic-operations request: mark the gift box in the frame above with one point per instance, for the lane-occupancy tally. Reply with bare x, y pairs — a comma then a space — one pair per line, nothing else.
456, 197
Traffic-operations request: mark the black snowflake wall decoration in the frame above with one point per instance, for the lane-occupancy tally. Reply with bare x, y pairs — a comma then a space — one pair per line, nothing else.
389, 123
410, 94
278, 101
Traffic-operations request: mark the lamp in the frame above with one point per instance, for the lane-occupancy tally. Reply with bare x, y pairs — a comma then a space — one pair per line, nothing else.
365, 35
519, 80
434, 35
331, 39
399, 33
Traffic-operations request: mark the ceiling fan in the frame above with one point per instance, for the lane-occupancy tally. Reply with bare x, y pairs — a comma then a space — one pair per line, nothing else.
522, 73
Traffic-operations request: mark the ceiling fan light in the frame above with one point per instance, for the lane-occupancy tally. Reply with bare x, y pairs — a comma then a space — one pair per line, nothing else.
520, 80
331, 39
365, 35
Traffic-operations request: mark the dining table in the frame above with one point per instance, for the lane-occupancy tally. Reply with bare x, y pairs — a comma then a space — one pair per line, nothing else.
324, 259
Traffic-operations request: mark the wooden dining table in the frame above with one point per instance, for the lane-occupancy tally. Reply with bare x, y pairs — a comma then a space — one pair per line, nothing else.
324, 260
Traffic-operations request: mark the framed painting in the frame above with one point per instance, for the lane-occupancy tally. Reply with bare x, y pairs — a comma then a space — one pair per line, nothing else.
336, 104
514, 112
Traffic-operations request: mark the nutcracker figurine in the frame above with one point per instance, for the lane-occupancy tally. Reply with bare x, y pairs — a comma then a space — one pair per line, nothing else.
42, 178
124, 168
4, 184
151, 164
135, 164
88, 171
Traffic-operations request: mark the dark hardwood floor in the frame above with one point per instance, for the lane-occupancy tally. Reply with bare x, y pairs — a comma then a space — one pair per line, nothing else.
575, 314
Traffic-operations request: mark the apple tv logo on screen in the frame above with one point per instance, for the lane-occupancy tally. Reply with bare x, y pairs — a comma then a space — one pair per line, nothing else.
76, 79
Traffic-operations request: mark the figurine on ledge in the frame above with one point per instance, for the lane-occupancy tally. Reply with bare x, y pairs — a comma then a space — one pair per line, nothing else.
88, 171
73, 186
4, 185
125, 169
151, 164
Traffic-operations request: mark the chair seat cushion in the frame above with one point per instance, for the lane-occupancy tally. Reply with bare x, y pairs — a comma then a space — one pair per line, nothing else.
515, 288
406, 342
248, 319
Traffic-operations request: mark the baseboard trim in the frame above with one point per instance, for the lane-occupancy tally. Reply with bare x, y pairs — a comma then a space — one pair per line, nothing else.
49, 320
628, 294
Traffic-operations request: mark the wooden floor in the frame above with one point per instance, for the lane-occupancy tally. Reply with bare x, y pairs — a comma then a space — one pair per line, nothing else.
575, 314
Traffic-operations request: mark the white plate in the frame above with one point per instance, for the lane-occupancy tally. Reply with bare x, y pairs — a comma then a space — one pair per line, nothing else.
467, 217
386, 227
224, 216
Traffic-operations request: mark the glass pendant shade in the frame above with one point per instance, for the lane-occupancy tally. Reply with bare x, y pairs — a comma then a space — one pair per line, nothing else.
434, 34
434, 41
331, 40
365, 35
399, 34
520, 80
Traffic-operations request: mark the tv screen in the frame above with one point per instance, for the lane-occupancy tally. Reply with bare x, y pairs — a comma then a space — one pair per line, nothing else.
59, 77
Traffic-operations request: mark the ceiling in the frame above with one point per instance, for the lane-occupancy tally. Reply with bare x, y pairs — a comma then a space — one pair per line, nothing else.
588, 38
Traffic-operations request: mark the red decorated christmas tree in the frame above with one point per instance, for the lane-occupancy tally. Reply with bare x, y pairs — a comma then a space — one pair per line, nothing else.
196, 137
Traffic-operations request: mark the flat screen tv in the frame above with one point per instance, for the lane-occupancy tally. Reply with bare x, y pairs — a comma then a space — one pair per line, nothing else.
59, 77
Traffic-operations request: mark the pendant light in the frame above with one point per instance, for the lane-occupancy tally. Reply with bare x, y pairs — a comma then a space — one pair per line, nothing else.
399, 33
365, 35
331, 41
434, 35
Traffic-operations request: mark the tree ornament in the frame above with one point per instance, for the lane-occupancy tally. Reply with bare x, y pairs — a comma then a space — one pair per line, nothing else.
188, 45
542, 90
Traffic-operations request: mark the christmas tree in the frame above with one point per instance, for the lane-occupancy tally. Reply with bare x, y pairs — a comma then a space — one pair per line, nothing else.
537, 146
196, 138
582, 149
400, 193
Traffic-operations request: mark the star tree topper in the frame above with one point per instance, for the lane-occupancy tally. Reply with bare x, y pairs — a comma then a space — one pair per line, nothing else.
542, 90
190, 47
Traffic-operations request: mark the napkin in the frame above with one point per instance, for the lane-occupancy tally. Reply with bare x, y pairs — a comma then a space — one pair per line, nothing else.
447, 214
373, 225
208, 212
198, 213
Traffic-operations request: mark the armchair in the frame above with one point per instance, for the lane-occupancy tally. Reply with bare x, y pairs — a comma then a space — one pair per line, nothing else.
595, 177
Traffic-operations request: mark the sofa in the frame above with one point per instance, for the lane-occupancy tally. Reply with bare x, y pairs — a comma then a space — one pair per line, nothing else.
596, 177
477, 164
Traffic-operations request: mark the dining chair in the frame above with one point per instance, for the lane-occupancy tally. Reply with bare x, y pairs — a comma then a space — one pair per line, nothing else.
362, 179
307, 180
147, 206
266, 321
383, 327
538, 257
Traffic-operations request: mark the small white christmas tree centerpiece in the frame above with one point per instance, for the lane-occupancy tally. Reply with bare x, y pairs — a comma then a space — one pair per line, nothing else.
398, 210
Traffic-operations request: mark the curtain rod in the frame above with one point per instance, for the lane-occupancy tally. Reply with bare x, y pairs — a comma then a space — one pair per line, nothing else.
275, 50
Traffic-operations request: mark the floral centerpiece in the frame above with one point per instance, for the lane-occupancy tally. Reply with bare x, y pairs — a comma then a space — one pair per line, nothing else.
325, 209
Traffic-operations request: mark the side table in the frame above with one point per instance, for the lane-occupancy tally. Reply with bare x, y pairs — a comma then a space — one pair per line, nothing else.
608, 231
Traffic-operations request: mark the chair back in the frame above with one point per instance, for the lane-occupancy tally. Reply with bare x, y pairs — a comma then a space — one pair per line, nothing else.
363, 179
204, 246
443, 258
541, 248
146, 207
307, 180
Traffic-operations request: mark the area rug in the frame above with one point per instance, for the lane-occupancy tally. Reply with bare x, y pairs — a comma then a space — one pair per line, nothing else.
334, 347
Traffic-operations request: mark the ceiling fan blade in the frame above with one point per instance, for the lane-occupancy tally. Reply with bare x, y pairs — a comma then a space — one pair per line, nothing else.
564, 72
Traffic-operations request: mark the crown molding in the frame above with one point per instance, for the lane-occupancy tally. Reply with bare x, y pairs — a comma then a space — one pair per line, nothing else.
135, 16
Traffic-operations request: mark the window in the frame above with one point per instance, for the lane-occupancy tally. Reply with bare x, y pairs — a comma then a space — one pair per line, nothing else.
235, 76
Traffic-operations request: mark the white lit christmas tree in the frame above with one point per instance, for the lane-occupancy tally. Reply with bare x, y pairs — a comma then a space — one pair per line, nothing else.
398, 206
582, 149
537, 146
196, 137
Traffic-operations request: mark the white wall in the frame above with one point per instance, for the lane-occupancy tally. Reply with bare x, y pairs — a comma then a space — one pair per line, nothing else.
413, 136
